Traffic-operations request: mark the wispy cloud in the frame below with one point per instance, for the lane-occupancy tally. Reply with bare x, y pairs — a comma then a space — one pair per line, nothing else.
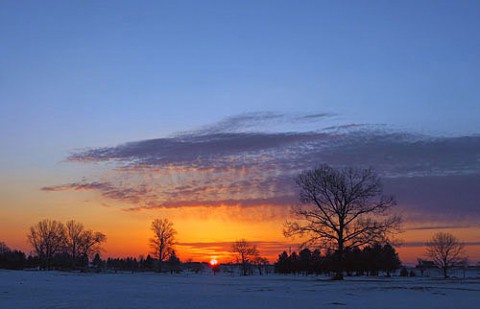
269, 249
440, 227
80, 186
415, 244
132, 195
242, 161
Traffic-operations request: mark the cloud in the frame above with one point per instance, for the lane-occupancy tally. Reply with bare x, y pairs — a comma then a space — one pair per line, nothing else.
319, 115
83, 186
440, 227
133, 195
394, 154
433, 197
242, 161
269, 249
416, 244
261, 122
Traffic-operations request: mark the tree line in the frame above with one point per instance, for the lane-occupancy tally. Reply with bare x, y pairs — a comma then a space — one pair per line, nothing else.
371, 260
11, 259
343, 209
140, 264
68, 245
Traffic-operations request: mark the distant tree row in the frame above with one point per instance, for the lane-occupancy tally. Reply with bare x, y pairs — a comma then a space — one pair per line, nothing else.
369, 261
173, 264
16, 259
342, 209
71, 246
58, 245
11, 259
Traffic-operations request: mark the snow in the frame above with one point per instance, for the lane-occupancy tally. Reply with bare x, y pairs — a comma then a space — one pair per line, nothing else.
62, 290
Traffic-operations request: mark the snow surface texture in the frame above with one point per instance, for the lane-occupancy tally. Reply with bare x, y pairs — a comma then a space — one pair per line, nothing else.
57, 290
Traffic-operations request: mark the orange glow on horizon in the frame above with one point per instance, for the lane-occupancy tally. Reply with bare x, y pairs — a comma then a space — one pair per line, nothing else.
203, 232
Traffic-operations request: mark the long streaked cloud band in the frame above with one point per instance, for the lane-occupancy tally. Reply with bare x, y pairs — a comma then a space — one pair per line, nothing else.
253, 159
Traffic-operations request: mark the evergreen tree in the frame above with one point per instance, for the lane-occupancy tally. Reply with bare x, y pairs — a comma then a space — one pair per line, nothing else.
281, 264
305, 261
149, 263
174, 263
97, 262
390, 260
11, 259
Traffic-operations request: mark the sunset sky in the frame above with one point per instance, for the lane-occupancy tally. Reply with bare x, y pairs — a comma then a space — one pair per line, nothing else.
114, 113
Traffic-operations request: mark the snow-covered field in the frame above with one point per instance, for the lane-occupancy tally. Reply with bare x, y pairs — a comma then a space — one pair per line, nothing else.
31, 289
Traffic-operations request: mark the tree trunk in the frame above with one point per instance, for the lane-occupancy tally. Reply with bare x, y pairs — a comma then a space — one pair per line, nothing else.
339, 270
74, 257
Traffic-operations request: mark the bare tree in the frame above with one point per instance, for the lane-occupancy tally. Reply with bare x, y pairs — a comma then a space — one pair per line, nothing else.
90, 243
342, 209
80, 242
73, 232
446, 251
244, 254
262, 263
163, 240
47, 238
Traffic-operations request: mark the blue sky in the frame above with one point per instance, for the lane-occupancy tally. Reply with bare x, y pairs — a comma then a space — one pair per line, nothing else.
92, 74
95, 73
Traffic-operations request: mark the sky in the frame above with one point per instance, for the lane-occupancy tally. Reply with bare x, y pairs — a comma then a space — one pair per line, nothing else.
114, 113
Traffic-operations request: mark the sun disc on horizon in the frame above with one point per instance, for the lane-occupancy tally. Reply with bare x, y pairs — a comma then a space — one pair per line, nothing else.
213, 261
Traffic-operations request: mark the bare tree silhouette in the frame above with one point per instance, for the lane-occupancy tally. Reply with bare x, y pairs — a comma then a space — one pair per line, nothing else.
342, 209
73, 238
446, 251
163, 240
244, 254
47, 238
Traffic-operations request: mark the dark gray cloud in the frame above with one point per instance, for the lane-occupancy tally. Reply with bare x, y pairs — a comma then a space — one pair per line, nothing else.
456, 195
201, 151
394, 154
230, 163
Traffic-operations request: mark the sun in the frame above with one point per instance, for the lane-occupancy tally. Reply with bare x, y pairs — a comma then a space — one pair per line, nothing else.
213, 261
